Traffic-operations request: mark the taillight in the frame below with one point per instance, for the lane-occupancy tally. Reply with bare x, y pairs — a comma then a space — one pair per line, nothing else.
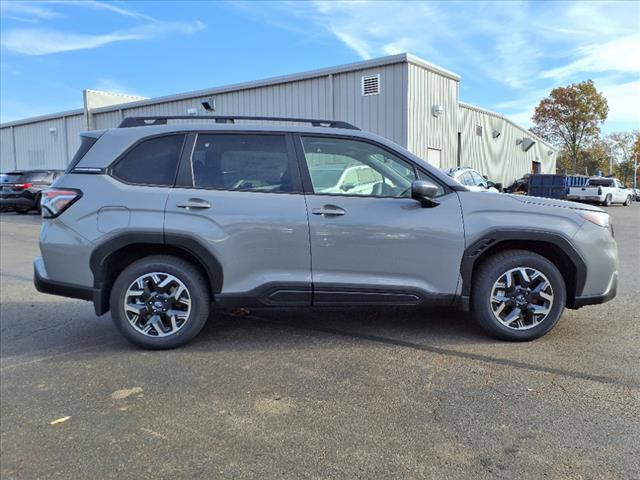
21, 186
56, 200
599, 190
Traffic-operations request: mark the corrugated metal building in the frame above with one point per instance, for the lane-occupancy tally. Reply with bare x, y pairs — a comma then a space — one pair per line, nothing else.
400, 97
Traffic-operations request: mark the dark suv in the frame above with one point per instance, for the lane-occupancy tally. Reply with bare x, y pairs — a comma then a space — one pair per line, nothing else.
21, 190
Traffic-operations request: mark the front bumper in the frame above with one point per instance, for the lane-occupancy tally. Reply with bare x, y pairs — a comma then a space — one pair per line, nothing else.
579, 302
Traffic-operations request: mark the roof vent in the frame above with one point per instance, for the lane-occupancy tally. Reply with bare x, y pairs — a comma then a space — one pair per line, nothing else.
371, 85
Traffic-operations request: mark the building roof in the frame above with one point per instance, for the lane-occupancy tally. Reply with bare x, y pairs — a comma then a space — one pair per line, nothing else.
323, 72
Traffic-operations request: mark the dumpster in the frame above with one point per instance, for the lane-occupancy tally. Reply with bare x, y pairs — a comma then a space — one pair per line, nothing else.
554, 185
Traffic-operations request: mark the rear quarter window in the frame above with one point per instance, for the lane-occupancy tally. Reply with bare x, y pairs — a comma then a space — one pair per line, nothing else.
151, 162
85, 145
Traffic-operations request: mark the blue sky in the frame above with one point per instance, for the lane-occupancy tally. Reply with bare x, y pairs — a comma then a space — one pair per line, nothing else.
509, 54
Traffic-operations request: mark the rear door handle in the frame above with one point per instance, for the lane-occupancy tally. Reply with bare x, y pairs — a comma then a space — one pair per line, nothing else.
328, 210
195, 203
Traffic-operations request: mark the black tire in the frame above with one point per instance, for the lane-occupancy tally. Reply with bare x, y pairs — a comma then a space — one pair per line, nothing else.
627, 202
607, 201
491, 270
188, 274
38, 206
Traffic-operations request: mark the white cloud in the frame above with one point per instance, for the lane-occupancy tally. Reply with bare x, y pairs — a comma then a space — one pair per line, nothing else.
356, 44
40, 41
624, 102
27, 11
43, 41
621, 54
111, 85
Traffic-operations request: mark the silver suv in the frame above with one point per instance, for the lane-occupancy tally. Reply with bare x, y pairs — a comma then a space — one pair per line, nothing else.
158, 221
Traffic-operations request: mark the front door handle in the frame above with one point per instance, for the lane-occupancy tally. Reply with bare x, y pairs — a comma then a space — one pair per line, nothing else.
195, 203
328, 210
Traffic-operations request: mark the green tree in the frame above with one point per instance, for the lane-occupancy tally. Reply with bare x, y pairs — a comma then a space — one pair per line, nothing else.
622, 148
591, 159
570, 117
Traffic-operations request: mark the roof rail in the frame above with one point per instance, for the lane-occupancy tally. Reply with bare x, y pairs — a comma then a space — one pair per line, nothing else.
162, 120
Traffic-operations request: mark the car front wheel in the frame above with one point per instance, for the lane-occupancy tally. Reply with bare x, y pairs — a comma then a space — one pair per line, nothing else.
518, 295
160, 302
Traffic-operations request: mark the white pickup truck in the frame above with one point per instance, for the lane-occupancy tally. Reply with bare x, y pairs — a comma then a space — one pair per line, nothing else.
602, 190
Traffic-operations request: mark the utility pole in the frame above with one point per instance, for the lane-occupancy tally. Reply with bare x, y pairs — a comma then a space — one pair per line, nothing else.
635, 173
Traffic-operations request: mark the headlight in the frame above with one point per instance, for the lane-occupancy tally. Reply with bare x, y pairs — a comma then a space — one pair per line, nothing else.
599, 218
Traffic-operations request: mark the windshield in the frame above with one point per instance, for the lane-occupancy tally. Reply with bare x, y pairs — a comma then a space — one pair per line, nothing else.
10, 177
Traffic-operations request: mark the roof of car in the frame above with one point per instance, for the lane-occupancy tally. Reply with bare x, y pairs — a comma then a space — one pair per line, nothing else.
119, 140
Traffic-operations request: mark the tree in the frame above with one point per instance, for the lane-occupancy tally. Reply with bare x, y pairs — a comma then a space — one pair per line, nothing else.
591, 159
622, 148
570, 117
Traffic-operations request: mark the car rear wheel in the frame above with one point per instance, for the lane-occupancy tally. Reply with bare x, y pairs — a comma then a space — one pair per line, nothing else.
607, 201
160, 302
518, 295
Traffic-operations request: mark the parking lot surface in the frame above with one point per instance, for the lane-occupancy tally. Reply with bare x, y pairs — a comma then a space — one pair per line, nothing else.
367, 393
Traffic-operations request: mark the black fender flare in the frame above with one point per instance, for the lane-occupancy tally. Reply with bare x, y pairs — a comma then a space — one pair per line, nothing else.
493, 237
100, 256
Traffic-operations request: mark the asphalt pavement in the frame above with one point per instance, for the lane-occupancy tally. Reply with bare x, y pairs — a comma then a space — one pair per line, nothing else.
366, 393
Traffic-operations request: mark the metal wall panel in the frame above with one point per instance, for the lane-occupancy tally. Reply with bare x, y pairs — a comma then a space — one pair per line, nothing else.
74, 125
426, 89
107, 120
37, 147
7, 161
501, 159
383, 114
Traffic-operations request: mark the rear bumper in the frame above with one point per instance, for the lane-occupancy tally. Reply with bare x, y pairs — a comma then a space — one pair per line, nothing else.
62, 289
13, 202
580, 198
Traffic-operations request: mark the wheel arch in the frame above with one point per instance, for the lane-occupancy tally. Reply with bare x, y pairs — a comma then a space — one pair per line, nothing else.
555, 247
112, 256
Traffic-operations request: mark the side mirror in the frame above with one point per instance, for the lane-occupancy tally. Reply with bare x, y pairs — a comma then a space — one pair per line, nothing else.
423, 192
347, 186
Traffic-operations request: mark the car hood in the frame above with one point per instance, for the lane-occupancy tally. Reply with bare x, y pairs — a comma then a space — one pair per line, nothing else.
552, 202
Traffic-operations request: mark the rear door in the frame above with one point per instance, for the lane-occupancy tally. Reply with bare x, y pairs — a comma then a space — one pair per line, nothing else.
239, 195
376, 245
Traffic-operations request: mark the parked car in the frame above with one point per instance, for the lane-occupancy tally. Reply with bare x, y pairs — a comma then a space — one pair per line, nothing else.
21, 190
636, 194
472, 179
138, 230
602, 190
356, 179
519, 186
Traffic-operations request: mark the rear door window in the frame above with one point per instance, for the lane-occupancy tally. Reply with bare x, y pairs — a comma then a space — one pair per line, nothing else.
248, 162
152, 162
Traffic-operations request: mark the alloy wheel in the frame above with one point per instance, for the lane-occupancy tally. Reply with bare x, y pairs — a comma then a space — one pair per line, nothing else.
157, 304
521, 298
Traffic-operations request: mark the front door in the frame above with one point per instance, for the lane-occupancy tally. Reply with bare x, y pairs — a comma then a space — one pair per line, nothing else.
240, 197
376, 244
